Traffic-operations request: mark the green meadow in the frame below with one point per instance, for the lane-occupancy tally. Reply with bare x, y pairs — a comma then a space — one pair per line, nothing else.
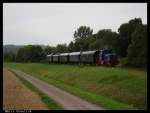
110, 87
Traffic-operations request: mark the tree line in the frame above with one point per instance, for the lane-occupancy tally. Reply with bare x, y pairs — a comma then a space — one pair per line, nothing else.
130, 43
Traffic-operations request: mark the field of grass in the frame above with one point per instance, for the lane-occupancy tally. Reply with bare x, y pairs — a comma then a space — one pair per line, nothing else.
112, 88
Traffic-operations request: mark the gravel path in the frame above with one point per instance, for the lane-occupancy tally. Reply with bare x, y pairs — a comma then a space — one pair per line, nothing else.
65, 99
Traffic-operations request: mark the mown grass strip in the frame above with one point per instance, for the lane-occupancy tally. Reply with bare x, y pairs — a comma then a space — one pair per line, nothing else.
51, 104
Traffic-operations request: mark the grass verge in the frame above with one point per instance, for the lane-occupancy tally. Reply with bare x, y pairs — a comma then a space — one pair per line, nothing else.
51, 104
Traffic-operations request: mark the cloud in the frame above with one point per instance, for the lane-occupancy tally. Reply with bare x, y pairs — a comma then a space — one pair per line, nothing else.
49, 23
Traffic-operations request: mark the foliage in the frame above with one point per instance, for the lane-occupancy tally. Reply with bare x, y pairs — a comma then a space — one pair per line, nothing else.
30, 53
82, 36
61, 48
137, 50
49, 50
9, 57
125, 35
105, 39
71, 47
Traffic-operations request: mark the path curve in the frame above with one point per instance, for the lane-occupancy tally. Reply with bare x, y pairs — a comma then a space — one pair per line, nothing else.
67, 100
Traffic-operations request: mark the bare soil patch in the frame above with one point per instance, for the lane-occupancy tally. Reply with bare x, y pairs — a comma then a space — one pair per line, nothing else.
18, 97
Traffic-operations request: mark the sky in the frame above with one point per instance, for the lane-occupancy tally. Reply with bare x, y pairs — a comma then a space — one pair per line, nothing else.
55, 23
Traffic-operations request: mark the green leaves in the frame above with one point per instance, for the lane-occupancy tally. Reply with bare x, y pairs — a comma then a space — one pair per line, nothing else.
137, 50
125, 35
30, 53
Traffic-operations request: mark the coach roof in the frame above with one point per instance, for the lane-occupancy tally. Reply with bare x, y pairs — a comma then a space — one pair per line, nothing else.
74, 53
88, 52
50, 54
56, 55
64, 54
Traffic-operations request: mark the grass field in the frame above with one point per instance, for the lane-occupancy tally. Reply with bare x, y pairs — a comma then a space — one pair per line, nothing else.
112, 88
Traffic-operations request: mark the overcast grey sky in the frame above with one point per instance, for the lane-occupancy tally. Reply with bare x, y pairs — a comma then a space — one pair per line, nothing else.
53, 23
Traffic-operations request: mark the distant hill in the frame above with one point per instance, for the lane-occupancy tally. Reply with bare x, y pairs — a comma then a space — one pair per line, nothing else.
14, 48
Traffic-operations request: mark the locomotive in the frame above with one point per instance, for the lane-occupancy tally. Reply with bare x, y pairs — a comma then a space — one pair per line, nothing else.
95, 57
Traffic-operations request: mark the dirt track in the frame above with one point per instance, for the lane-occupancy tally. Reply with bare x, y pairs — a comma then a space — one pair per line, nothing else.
67, 100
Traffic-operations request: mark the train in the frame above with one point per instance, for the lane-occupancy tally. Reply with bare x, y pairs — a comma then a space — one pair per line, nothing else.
94, 57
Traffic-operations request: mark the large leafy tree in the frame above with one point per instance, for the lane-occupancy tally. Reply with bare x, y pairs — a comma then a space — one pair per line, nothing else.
82, 36
137, 50
104, 39
83, 32
125, 35
96, 44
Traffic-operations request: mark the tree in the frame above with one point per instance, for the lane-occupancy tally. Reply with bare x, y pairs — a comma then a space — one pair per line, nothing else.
125, 32
49, 50
96, 45
20, 55
36, 54
30, 53
137, 50
9, 56
104, 39
81, 36
61, 48
83, 32
71, 47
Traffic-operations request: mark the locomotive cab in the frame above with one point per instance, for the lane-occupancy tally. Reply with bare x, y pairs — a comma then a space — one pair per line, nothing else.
111, 59
101, 57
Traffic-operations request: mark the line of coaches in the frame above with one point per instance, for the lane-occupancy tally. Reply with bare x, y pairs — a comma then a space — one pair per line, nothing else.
86, 57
